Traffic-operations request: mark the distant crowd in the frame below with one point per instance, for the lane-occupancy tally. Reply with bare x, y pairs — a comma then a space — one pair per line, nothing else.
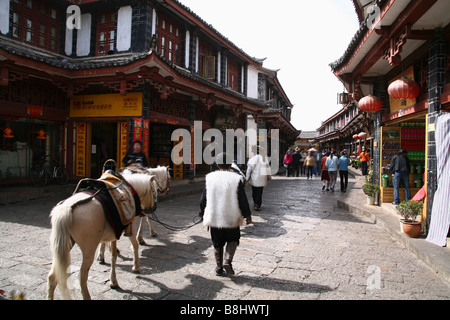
326, 164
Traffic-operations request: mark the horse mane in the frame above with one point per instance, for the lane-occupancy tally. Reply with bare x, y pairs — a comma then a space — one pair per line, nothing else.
160, 174
134, 168
144, 184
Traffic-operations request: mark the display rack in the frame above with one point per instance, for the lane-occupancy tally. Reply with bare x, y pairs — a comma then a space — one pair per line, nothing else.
411, 137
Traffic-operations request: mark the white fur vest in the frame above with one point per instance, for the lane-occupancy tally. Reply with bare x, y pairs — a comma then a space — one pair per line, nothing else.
222, 206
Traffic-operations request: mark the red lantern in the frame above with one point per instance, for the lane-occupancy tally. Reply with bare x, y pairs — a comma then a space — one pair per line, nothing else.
370, 104
356, 137
404, 89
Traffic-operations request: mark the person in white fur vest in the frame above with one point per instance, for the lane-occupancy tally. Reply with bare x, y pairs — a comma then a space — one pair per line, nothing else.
223, 207
258, 174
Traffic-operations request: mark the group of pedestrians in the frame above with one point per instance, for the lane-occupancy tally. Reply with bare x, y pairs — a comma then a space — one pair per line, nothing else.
331, 165
297, 164
327, 165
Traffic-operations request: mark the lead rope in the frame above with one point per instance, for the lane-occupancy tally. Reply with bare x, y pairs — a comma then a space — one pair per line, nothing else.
152, 216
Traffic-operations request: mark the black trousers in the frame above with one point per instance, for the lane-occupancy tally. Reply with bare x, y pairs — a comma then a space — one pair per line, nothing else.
220, 237
257, 193
343, 174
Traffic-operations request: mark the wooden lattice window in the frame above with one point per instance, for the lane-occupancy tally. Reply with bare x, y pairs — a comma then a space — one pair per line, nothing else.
169, 35
233, 74
106, 33
36, 23
207, 60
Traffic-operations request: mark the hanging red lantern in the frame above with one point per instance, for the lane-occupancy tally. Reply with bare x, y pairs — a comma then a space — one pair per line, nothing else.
41, 135
8, 133
404, 89
370, 104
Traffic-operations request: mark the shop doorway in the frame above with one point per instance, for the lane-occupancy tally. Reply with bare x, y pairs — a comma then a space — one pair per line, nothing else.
103, 145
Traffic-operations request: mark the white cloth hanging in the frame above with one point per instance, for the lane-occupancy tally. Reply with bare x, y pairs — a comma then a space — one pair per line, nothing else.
440, 213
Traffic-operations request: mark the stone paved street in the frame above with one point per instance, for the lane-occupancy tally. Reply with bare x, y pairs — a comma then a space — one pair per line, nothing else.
300, 246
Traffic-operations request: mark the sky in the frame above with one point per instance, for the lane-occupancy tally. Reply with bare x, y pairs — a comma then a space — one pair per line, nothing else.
301, 38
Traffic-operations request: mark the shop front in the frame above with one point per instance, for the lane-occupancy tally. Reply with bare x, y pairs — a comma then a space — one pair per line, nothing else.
29, 136
104, 126
160, 136
410, 136
405, 129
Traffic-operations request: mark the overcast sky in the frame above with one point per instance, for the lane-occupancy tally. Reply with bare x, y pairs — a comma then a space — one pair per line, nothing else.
301, 38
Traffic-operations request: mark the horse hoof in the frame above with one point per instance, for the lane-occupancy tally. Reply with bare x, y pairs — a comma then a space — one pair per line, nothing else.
136, 270
154, 235
142, 242
101, 261
114, 286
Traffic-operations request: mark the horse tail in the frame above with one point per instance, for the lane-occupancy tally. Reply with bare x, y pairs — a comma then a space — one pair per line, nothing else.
61, 243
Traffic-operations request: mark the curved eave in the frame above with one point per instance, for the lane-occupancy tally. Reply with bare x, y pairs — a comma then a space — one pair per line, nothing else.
126, 66
363, 56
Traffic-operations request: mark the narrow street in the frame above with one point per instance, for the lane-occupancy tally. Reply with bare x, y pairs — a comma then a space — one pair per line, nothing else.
300, 246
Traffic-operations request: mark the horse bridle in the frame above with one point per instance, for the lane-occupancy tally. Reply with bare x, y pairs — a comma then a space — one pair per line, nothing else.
160, 190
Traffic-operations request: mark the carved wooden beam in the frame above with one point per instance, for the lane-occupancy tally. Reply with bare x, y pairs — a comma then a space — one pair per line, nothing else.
208, 101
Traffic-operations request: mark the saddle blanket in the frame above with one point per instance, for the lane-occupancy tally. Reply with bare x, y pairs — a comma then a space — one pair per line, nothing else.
118, 198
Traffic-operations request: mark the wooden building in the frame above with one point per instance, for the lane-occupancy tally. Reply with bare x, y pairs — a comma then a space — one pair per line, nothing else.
410, 39
81, 80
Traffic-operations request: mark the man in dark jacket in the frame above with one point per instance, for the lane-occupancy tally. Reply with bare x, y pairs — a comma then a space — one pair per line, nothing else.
296, 157
400, 167
136, 155
223, 207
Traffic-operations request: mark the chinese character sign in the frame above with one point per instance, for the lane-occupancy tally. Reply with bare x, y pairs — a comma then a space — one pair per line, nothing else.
80, 149
123, 143
107, 105
145, 137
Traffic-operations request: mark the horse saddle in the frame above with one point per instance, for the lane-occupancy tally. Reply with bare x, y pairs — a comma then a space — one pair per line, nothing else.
119, 200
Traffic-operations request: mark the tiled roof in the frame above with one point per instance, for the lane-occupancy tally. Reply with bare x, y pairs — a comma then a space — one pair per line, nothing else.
187, 9
354, 43
116, 60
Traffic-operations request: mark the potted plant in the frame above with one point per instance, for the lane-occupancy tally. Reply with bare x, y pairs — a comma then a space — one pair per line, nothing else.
370, 190
410, 210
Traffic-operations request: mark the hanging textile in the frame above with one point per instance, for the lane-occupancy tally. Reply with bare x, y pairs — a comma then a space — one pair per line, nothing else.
440, 213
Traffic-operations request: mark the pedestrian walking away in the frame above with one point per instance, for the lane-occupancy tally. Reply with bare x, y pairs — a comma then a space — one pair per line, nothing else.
302, 161
296, 157
287, 162
332, 163
223, 207
400, 167
258, 173
309, 164
324, 177
365, 160
343, 170
319, 156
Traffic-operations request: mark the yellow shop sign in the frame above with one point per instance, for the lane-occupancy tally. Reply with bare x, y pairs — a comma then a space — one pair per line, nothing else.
106, 105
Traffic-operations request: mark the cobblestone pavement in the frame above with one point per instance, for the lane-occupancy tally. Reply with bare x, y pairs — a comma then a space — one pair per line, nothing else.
300, 246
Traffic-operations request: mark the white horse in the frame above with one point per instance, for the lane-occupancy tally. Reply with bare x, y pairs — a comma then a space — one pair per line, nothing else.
84, 223
162, 180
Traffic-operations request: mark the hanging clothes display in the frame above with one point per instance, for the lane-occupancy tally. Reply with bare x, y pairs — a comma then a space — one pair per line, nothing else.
440, 214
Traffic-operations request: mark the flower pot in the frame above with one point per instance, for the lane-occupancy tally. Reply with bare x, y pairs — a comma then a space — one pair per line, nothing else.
412, 228
370, 200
